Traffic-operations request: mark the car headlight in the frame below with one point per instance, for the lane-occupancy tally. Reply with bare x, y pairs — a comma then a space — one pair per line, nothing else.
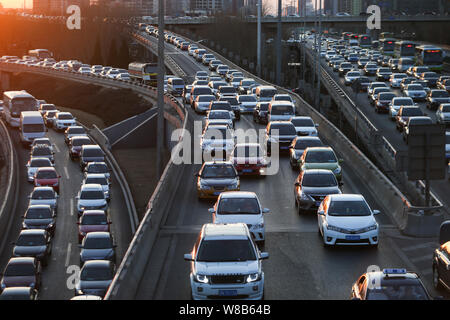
370, 228
201, 278
253, 277
337, 170
304, 196
334, 228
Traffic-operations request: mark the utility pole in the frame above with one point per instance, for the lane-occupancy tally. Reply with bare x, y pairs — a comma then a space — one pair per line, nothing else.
258, 59
303, 41
160, 84
318, 56
278, 45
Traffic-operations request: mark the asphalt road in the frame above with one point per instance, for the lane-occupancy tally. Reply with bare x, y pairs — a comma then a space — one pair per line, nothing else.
65, 250
299, 267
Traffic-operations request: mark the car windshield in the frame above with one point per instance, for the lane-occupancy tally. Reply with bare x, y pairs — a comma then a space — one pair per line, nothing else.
46, 174
30, 240
238, 206
76, 131
30, 128
202, 73
353, 74
20, 269
440, 94
218, 171
282, 110
446, 108
386, 96
94, 219
403, 102
97, 243
397, 290
98, 180
94, 273
97, 168
303, 122
92, 195
81, 142
247, 99
23, 104
65, 116
226, 251
97, 153
384, 70
219, 114
320, 156
202, 91
43, 195
232, 100
447, 139
38, 213
227, 90
268, 93
349, 208
414, 87
412, 112
302, 144
319, 180
41, 152
284, 130
399, 76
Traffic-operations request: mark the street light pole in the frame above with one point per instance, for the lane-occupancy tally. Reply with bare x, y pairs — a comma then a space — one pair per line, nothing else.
278, 45
160, 84
258, 57
318, 56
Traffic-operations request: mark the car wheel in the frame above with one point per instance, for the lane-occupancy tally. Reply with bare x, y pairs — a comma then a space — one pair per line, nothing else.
436, 283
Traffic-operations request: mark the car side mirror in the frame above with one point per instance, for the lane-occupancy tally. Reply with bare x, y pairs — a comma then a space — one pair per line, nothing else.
341, 161
316, 125
266, 210
264, 255
196, 174
321, 212
78, 222
188, 257
211, 210
375, 212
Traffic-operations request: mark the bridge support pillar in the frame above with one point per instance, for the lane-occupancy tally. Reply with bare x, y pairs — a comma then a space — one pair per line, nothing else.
4, 81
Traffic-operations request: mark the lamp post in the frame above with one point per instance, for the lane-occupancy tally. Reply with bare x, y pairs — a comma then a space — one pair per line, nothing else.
160, 84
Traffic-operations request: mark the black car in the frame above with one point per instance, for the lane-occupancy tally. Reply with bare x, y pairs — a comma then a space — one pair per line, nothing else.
260, 112
404, 114
19, 293
33, 243
436, 97
298, 145
361, 84
286, 133
39, 216
234, 105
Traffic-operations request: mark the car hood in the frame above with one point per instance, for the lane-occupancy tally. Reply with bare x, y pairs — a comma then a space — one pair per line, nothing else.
227, 268
251, 219
351, 222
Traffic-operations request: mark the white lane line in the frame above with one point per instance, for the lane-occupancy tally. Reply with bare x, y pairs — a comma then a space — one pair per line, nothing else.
69, 249
71, 207
420, 246
56, 148
66, 172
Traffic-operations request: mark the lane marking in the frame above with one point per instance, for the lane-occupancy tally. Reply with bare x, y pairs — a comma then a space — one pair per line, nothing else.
56, 148
69, 249
72, 207
420, 246
66, 172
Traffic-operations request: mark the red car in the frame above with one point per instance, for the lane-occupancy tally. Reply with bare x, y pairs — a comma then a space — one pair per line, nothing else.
47, 177
22, 272
92, 221
75, 144
249, 159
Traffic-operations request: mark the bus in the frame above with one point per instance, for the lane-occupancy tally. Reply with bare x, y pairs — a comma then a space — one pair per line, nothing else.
387, 46
404, 49
15, 102
144, 72
430, 56
365, 41
40, 54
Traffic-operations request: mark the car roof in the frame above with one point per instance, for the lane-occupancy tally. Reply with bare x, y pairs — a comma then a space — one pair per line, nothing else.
93, 213
317, 172
98, 234
238, 194
91, 146
39, 206
21, 260
32, 231
91, 186
43, 189
220, 230
95, 175
346, 197
97, 263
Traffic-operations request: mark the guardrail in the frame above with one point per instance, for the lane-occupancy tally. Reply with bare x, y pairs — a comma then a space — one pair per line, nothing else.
11, 192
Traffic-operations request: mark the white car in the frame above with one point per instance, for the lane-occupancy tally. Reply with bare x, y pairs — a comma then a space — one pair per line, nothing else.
201, 75
347, 219
101, 179
220, 115
304, 126
247, 103
397, 103
112, 73
44, 141
241, 206
396, 79
34, 164
123, 76
443, 114
202, 102
283, 97
415, 92
226, 263
91, 197
85, 70
63, 120
351, 76
44, 195
217, 138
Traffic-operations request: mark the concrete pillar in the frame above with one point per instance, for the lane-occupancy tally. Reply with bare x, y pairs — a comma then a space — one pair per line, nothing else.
5, 80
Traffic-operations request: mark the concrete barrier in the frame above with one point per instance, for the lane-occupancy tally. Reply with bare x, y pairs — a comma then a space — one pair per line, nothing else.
11, 182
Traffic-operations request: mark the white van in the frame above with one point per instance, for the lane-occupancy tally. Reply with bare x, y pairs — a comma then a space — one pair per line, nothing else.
265, 93
31, 126
280, 111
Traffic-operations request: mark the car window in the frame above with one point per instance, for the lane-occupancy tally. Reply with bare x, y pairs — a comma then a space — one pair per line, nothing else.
218, 171
320, 156
226, 251
30, 240
19, 269
96, 274
319, 180
92, 195
97, 243
238, 206
397, 290
349, 208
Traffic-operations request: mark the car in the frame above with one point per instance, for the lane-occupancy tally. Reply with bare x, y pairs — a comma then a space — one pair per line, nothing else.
222, 69
45, 196
43, 141
241, 207
376, 92
281, 133
404, 83
221, 105
444, 84
213, 64
92, 221
312, 186
223, 115
234, 103
321, 158
99, 178
33, 243
424, 85
362, 62
443, 114
47, 177
202, 102
430, 77
187, 94
415, 121
393, 63
85, 70
337, 63
44, 107
197, 90
374, 85
344, 67
95, 278
207, 58
417, 71
22, 272
216, 177
34, 164
226, 263
396, 79
347, 219
40, 216
91, 153
298, 146
389, 284
98, 167
249, 159
215, 84
175, 86
19, 293
404, 113
351, 76
245, 85
436, 97
397, 103
260, 112
74, 131
63, 120
383, 100
42, 151
247, 103
49, 118
75, 145
415, 91
383, 74
201, 75
283, 97
304, 126
91, 197
226, 91
97, 245
216, 141
361, 83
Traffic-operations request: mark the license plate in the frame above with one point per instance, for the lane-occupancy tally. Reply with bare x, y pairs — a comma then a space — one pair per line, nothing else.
351, 237
227, 293
247, 170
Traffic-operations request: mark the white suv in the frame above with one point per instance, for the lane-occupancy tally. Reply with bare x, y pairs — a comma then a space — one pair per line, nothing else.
226, 263
63, 120
241, 206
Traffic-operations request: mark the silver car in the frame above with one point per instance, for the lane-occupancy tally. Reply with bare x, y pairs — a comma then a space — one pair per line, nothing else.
44, 195
99, 178
91, 197
34, 164
97, 246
